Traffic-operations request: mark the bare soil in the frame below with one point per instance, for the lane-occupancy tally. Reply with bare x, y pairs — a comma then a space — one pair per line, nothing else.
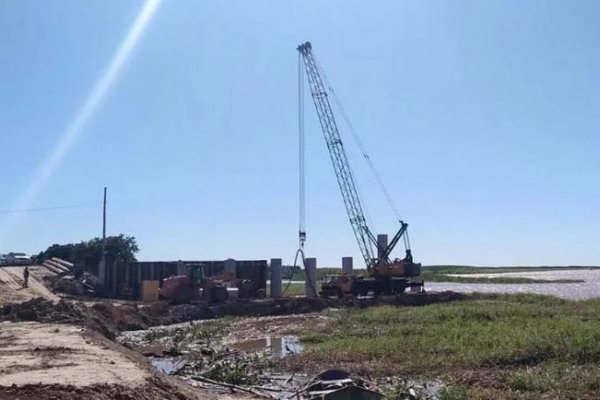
61, 361
152, 389
36, 353
11, 285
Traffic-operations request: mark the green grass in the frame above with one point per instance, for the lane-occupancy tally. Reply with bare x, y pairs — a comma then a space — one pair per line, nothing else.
323, 272
233, 371
491, 343
204, 331
294, 289
208, 330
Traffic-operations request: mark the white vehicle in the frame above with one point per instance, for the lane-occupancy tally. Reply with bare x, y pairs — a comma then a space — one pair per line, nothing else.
15, 259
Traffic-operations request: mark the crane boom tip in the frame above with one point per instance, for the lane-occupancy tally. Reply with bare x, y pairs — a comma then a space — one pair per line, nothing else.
304, 46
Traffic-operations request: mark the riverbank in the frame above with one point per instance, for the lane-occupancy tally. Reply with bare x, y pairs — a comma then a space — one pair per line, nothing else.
489, 346
457, 345
484, 346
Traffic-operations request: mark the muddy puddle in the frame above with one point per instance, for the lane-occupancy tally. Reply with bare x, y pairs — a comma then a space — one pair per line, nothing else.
246, 352
167, 365
209, 347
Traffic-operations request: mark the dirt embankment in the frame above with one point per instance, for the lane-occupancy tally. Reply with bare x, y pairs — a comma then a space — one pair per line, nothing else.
110, 318
153, 389
64, 361
52, 350
11, 285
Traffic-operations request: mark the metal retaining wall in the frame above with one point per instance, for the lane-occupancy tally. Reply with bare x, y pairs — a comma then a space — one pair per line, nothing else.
123, 280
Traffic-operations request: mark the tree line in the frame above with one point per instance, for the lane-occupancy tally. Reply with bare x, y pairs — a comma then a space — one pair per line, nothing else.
88, 253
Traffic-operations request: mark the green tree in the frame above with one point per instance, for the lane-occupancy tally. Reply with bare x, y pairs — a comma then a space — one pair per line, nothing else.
120, 249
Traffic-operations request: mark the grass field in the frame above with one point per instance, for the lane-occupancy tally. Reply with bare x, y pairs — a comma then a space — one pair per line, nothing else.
294, 289
490, 346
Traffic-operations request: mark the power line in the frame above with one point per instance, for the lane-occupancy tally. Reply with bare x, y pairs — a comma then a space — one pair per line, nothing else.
360, 145
54, 208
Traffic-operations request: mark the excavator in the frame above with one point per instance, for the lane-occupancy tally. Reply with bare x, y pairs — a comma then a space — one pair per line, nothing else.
387, 276
194, 285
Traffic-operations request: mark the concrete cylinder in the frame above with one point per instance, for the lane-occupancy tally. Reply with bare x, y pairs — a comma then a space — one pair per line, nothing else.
382, 244
231, 267
347, 265
115, 284
102, 273
310, 286
275, 277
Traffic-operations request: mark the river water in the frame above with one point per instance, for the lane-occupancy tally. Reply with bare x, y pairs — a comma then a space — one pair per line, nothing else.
588, 289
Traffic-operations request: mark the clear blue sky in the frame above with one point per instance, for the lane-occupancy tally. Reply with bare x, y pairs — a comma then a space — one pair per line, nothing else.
482, 117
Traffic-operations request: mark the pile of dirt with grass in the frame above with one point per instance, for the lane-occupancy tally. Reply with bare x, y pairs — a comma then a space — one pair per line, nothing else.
110, 318
64, 311
41, 310
155, 389
104, 317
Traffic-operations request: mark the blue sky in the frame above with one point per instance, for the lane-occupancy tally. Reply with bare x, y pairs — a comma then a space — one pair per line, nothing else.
482, 118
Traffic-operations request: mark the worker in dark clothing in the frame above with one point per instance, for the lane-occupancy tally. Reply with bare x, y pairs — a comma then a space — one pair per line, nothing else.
26, 277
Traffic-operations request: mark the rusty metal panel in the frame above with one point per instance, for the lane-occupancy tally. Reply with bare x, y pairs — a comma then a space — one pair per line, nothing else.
124, 279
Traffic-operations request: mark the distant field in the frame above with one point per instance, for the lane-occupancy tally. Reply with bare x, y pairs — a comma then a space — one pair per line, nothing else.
472, 269
442, 273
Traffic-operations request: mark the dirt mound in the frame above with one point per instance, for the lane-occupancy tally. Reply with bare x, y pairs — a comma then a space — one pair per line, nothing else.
64, 311
155, 389
421, 299
41, 310
104, 317
109, 318
11, 288
261, 308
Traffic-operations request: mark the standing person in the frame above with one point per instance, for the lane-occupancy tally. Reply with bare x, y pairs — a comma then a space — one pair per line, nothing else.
26, 277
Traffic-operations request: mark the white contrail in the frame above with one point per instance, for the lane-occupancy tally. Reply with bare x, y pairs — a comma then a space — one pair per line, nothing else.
77, 126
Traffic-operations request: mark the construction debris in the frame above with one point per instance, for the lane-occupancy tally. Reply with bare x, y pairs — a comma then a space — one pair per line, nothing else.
83, 285
336, 384
329, 385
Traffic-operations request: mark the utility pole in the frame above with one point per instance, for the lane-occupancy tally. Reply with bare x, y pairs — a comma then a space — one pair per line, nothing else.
104, 228
102, 264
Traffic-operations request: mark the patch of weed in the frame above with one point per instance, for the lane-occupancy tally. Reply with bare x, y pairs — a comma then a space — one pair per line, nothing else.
235, 372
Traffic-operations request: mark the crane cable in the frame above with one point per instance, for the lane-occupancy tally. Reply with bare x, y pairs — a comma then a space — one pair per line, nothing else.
360, 145
300, 252
301, 156
301, 184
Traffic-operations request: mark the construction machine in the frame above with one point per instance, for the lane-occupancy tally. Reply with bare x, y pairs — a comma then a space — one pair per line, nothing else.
194, 285
386, 275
